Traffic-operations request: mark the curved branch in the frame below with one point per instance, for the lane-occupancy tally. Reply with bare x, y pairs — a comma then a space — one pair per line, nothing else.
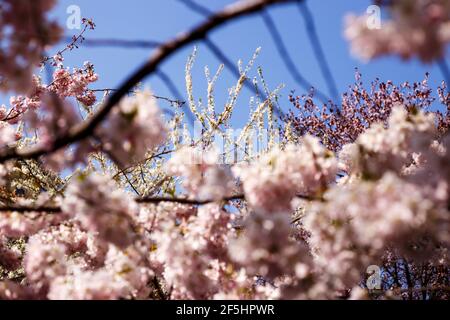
195, 7
148, 200
177, 101
188, 201
143, 200
120, 43
318, 50
161, 54
173, 89
287, 59
30, 209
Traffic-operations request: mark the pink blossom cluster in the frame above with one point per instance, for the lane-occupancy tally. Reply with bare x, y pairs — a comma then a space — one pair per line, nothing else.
272, 181
48, 111
10, 290
358, 222
87, 248
64, 85
75, 84
368, 184
16, 225
380, 149
101, 208
364, 105
78, 266
267, 248
77, 258
384, 203
204, 176
133, 128
107, 246
8, 135
26, 32
53, 119
123, 276
419, 28
192, 249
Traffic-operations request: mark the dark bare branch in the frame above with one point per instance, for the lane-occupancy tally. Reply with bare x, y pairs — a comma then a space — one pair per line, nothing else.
142, 200
120, 43
287, 59
161, 54
318, 50
220, 55
149, 200
195, 7
445, 70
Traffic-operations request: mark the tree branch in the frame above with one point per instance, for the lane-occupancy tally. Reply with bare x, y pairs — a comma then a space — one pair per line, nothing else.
161, 54
287, 59
195, 7
173, 89
443, 66
142, 200
320, 55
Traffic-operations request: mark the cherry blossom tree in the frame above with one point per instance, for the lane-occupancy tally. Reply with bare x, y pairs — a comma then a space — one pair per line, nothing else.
105, 196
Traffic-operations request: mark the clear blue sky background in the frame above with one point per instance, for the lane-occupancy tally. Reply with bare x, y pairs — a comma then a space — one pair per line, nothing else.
162, 19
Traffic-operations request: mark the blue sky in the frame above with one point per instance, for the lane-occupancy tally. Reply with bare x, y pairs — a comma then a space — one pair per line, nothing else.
162, 19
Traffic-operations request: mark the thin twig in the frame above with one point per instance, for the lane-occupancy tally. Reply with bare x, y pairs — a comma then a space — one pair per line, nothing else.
141, 200
153, 156
121, 43
287, 59
445, 70
318, 50
193, 6
72, 44
171, 101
